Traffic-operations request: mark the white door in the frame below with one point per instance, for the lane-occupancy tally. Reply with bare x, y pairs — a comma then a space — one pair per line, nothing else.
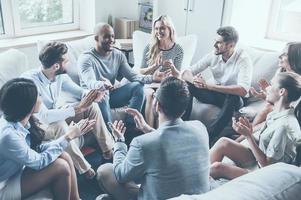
177, 10
204, 18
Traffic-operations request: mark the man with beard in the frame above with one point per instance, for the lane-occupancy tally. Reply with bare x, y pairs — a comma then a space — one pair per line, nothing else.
102, 65
232, 71
51, 79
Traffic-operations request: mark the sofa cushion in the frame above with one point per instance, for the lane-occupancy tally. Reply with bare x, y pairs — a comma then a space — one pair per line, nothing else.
279, 181
12, 64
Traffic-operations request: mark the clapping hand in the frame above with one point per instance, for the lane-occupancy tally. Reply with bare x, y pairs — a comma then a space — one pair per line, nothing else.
159, 76
199, 81
100, 95
263, 84
242, 126
87, 101
139, 120
107, 84
258, 94
169, 64
80, 128
118, 128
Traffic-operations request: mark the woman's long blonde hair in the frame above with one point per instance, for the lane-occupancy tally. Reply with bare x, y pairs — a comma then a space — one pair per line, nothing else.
154, 49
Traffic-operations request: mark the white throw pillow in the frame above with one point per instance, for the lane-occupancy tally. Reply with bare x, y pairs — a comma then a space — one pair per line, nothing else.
12, 64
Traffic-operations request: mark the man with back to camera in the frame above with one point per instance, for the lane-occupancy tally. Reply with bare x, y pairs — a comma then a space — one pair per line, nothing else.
51, 79
102, 65
232, 71
167, 162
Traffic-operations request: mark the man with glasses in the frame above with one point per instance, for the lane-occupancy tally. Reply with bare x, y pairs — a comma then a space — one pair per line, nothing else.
167, 162
232, 71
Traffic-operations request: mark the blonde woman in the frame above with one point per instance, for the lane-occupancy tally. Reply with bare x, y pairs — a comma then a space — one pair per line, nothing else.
162, 53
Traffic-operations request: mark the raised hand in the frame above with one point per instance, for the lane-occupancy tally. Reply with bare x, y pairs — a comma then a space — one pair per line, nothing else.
86, 101
100, 95
107, 84
118, 129
258, 94
242, 126
169, 64
159, 76
78, 129
263, 84
199, 81
139, 120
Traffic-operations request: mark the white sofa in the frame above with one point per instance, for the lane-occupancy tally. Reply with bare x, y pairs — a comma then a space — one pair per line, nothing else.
279, 181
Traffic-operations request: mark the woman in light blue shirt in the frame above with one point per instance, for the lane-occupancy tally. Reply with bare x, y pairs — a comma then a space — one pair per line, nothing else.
278, 138
26, 165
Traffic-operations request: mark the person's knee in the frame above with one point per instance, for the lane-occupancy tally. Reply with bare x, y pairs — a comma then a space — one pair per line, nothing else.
137, 88
216, 168
105, 176
67, 158
223, 143
62, 167
56, 129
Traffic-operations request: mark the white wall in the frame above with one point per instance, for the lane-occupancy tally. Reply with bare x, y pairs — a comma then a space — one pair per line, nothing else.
94, 11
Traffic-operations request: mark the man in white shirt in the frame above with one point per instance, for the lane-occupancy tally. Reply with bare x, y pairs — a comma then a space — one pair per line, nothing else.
51, 79
232, 70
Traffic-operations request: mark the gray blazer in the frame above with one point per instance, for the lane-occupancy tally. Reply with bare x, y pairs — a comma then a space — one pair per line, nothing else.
172, 160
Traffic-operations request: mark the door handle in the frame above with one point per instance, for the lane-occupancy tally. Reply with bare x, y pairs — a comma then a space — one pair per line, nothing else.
186, 6
191, 5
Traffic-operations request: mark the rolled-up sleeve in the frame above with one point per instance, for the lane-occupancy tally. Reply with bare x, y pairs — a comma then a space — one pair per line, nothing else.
202, 64
245, 73
128, 166
87, 74
48, 116
16, 148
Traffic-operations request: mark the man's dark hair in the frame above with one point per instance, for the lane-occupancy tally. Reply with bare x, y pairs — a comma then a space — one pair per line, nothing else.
52, 53
228, 33
173, 96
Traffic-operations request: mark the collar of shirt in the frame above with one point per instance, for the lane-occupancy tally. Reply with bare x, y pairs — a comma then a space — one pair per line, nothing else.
171, 122
277, 115
20, 128
44, 79
230, 60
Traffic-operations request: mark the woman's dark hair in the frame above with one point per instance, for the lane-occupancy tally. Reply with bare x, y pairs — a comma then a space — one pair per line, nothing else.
52, 53
173, 96
17, 100
292, 83
294, 56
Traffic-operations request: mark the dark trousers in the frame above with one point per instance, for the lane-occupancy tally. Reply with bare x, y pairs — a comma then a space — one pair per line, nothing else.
226, 102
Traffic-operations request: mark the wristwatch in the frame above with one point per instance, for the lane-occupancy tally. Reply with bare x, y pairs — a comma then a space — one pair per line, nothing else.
121, 139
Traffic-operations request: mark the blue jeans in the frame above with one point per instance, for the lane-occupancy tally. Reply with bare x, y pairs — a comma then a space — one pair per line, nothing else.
131, 95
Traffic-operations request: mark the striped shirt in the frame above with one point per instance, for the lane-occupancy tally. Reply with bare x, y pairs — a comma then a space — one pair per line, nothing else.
175, 53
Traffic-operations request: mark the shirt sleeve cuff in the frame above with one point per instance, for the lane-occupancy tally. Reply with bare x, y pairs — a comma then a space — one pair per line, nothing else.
64, 143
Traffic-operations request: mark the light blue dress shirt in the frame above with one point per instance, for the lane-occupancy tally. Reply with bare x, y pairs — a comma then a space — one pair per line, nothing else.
50, 92
15, 151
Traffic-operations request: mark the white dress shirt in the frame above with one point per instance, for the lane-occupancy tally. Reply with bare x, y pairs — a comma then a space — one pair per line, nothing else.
236, 71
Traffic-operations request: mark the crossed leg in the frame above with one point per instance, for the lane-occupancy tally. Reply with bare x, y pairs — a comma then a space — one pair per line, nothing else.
59, 176
237, 152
